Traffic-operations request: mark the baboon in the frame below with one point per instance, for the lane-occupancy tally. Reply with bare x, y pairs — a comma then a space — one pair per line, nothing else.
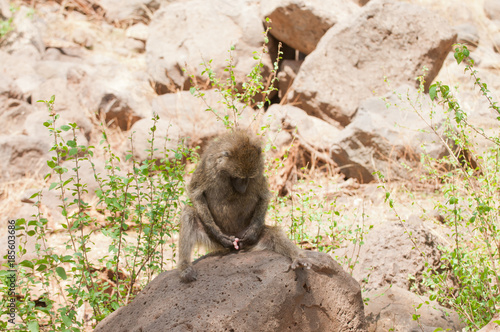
230, 195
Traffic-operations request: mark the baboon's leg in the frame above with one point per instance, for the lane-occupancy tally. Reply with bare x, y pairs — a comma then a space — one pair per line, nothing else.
191, 234
273, 238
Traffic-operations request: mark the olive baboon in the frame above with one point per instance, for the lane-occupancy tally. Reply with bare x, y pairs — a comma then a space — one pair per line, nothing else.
230, 195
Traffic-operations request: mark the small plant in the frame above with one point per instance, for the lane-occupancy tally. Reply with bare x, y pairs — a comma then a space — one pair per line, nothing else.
468, 278
235, 96
7, 26
136, 215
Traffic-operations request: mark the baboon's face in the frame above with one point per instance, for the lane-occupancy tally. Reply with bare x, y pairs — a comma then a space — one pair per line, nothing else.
242, 164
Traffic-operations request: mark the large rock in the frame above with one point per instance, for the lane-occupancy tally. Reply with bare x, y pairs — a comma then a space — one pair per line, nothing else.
26, 38
187, 33
189, 113
390, 39
21, 156
301, 24
244, 292
493, 325
388, 135
388, 256
128, 10
287, 122
392, 309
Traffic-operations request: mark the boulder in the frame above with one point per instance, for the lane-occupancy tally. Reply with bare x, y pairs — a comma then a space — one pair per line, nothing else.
301, 24
288, 72
392, 309
387, 135
26, 38
21, 156
189, 113
389, 40
13, 114
493, 325
166, 138
468, 34
492, 9
121, 96
18, 83
128, 11
253, 291
286, 122
186, 33
388, 256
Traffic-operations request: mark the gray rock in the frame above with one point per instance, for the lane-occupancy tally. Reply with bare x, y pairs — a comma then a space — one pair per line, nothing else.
128, 10
383, 138
186, 33
468, 34
190, 115
139, 31
492, 9
297, 123
26, 38
388, 257
388, 39
301, 24
493, 325
286, 75
393, 309
22, 156
166, 136
244, 292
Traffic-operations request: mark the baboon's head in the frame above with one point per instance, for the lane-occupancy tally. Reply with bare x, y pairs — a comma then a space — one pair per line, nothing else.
239, 156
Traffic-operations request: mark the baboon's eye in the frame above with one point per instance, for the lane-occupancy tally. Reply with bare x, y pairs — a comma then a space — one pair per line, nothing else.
225, 153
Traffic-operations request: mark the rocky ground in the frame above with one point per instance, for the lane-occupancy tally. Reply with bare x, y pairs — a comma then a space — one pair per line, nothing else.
122, 61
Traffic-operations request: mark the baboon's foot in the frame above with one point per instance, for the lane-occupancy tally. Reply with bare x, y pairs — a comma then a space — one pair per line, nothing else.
304, 262
189, 274
317, 261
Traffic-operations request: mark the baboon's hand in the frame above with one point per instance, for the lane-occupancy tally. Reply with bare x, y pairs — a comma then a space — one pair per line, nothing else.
250, 237
235, 243
227, 241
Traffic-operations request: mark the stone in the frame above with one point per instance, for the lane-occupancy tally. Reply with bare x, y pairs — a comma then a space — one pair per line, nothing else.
393, 309
387, 135
253, 291
468, 34
184, 34
166, 136
22, 156
139, 31
117, 11
492, 9
26, 38
301, 24
388, 40
189, 113
286, 75
388, 257
493, 325
297, 123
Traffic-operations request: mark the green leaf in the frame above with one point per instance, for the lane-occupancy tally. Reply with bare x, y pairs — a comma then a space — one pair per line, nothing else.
67, 321
433, 92
61, 272
71, 143
192, 90
53, 185
65, 127
73, 151
27, 263
33, 326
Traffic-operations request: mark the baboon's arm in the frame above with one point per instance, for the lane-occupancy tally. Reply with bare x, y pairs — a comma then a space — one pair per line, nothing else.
254, 230
201, 206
